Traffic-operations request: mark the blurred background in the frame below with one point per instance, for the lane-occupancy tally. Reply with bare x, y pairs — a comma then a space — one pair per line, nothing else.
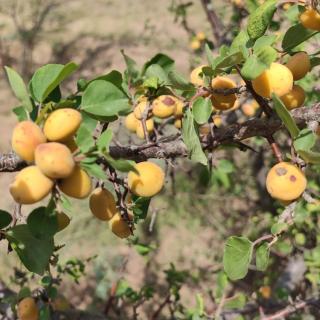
181, 242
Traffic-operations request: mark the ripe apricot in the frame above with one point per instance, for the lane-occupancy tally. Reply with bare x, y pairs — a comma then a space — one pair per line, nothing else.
77, 185
148, 182
30, 186
28, 309
299, 64
131, 122
201, 36
195, 76
310, 19
221, 101
217, 120
285, 181
54, 160
248, 109
178, 123
164, 106
120, 227
149, 127
102, 204
195, 44
140, 109
63, 221
265, 292
295, 98
25, 138
178, 112
277, 79
62, 124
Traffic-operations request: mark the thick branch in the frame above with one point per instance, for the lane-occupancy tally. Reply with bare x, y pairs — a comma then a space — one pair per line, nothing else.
177, 149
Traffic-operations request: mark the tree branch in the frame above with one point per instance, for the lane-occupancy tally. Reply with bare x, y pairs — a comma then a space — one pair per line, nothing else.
177, 149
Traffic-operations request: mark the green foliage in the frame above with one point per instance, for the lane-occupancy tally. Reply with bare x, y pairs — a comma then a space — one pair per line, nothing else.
5, 219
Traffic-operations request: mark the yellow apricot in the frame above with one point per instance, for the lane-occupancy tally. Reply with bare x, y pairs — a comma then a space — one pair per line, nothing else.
286, 181
149, 127
120, 227
131, 122
25, 138
102, 204
295, 98
265, 292
217, 120
248, 109
221, 101
178, 112
54, 160
28, 309
30, 186
62, 124
164, 106
77, 185
299, 64
148, 182
178, 123
201, 36
195, 76
71, 144
310, 19
140, 109
277, 79
63, 221
195, 44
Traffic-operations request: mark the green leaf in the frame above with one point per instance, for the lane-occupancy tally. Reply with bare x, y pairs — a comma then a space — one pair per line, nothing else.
132, 70
140, 207
310, 156
278, 228
93, 169
104, 140
152, 82
33, 253
121, 165
179, 82
24, 293
260, 19
236, 302
264, 41
229, 61
115, 77
19, 88
285, 116
160, 59
191, 139
21, 113
209, 55
5, 219
45, 313
103, 98
242, 39
84, 139
262, 257
48, 77
258, 62
314, 61
305, 140
156, 71
296, 35
221, 284
43, 223
201, 110
237, 256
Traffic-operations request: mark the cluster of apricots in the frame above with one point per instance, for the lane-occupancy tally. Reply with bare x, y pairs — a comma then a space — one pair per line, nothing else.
49, 151
198, 41
147, 181
164, 106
